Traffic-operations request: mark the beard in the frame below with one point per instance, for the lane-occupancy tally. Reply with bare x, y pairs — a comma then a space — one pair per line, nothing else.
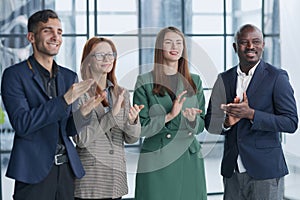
41, 48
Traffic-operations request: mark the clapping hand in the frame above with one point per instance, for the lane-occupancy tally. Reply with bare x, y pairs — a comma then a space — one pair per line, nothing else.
178, 103
237, 110
134, 112
93, 102
117, 106
177, 106
77, 89
191, 113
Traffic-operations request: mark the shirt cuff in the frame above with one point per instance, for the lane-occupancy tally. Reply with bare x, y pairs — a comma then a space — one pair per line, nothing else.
225, 129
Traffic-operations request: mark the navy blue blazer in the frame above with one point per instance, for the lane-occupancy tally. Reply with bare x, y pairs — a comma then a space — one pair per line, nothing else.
37, 120
257, 142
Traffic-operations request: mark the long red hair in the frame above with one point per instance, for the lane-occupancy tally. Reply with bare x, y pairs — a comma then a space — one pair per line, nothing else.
85, 60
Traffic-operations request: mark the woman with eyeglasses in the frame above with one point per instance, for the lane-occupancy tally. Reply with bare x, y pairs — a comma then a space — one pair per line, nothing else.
109, 123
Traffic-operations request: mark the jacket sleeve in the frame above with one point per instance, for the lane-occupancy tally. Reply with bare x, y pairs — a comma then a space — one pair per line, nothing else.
215, 116
284, 118
131, 131
152, 118
200, 105
18, 92
96, 124
198, 126
91, 126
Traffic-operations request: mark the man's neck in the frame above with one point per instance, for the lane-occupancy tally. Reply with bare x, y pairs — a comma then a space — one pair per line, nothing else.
45, 61
247, 67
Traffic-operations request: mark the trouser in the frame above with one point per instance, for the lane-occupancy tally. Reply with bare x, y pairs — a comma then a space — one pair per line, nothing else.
242, 187
58, 185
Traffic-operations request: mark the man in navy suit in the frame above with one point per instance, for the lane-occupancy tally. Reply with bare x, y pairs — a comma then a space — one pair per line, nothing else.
37, 94
250, 105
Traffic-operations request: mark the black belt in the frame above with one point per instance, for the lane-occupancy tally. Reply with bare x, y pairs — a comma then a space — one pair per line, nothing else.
60, 149
60, 159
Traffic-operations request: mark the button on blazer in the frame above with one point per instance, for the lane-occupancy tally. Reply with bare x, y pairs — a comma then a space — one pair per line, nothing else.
37, 120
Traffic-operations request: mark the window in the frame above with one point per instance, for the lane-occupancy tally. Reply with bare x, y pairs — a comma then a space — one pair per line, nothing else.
209, 27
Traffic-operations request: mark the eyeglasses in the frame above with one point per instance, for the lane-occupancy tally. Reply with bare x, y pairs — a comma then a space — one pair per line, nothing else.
102, 56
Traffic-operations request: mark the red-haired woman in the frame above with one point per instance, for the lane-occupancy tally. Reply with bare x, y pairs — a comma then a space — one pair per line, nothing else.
111, 123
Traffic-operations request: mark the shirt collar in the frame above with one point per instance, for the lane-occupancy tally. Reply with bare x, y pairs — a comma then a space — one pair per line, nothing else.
251, 71
109, 84
42, 70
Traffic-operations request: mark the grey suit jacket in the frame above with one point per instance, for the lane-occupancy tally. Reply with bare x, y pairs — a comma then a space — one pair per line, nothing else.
100, 146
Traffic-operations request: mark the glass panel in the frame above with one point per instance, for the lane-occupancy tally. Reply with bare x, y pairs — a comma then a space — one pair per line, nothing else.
206, 54
117, 23
243, 12
14, 46
72, 47
17, 26
231, 56
65, 6
271, 17
127, 64
250, 6
10, 9
6, 142
207, 58
117, 5
212, 153
203, 6
207, 17
271, 52
7, 133
7, 183
80, 23
147, 53
117, 16
13, 49
161, 13
73, 21
212, 24
132, 155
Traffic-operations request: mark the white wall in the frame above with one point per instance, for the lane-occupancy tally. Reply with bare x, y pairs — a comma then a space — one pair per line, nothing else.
290, 59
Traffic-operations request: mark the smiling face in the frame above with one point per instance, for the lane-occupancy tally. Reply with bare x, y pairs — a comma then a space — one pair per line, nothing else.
102, 57
172, 47
249, 46
47, 38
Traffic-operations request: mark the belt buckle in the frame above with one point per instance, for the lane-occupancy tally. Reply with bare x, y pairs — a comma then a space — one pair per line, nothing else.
56, 159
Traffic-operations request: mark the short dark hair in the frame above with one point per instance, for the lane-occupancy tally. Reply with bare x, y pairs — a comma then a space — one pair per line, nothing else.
40, 16
244, 27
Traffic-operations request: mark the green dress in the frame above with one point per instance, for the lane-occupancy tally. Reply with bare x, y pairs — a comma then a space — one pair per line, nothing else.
170, 165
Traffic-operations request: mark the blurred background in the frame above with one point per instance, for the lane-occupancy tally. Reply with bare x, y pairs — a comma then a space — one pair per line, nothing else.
209, 27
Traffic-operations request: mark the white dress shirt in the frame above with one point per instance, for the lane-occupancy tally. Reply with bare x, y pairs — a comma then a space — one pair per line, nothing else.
242, 84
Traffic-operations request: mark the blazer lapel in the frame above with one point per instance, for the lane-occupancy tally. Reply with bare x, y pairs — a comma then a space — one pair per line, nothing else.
165, 101
231, 82
60, 83
257, 79
38, 80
